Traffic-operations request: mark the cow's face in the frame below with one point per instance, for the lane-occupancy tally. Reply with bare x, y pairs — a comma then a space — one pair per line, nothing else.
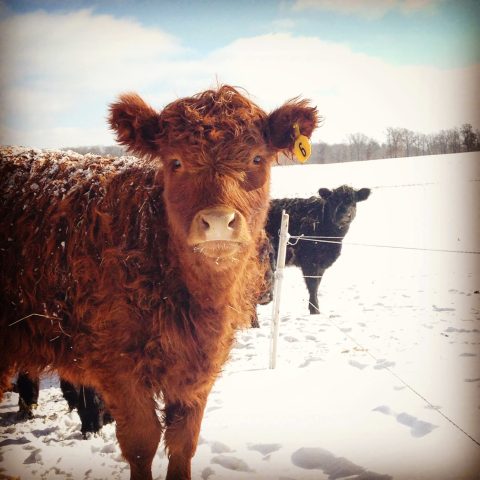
218, 205
217, 149
341, 204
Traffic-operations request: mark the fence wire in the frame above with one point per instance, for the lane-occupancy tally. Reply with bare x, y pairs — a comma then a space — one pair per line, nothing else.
322, 239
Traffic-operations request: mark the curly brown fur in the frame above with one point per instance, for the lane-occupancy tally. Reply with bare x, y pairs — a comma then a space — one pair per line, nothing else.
99, 278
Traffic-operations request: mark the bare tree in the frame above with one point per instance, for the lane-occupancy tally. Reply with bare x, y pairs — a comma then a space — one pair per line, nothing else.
469, 138
408, 142
394, 142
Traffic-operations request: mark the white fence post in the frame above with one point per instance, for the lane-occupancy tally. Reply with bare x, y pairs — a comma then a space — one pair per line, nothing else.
277, 287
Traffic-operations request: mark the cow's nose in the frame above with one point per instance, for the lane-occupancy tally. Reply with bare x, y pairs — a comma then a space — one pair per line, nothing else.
218, 224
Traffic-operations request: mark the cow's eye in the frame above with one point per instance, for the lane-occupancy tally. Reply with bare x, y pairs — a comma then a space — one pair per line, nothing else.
176, 165
257, 160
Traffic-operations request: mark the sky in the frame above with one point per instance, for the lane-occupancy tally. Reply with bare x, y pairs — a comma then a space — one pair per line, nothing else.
367, 65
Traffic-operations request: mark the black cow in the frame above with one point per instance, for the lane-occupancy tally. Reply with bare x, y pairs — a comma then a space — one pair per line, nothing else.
328, 216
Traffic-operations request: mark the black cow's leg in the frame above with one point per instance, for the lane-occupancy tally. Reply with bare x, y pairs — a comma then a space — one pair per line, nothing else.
89, 404
28, 389
313, 277
70, 393
89, 410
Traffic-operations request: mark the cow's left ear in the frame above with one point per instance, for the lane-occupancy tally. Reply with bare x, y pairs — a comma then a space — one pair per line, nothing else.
362, 194
282, 121
325, 193
136, 124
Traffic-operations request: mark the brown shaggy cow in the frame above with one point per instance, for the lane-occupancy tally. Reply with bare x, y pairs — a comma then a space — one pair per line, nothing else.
131, 276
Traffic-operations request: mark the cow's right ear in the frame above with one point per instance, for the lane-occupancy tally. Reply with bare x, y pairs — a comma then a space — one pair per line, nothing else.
281, 124
136, 124
362, 194
324, 192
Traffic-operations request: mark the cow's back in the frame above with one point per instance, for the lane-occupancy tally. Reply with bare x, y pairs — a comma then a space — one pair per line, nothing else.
73, 237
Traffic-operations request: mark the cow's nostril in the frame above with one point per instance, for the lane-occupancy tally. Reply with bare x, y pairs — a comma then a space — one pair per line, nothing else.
205, 224
232, 221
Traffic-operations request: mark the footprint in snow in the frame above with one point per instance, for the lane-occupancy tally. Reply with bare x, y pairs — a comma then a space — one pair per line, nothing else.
334, 467
440, 309
109, 448
44, 432
308, 361
231, 463
383, 364
207, 472
219, 447
358, 365
14, 441
418, 428
265, 448
290, 339
212, 409
34, 457
461, 330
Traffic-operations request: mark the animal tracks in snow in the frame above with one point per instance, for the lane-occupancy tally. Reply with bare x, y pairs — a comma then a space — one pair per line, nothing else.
265, 448
382, 363
34, 457
219, 447
418, 428
334, 467
231, 463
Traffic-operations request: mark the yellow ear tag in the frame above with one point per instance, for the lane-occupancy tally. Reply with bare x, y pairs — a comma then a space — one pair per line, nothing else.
302, 148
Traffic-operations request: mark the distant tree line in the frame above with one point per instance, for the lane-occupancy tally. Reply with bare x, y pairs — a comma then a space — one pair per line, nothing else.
111, 150
400, 142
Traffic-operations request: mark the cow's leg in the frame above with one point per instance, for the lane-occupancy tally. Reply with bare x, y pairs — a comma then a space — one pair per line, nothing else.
70, 393
181, 436
28, 389
313, 277
138, 427
89, 410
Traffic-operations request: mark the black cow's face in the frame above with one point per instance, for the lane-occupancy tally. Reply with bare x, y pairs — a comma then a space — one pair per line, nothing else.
343, 214
341, 204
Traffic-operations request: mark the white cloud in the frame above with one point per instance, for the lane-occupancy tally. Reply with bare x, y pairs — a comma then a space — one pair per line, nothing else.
370, 9
60, 72
356, 93
76, 48
58, 63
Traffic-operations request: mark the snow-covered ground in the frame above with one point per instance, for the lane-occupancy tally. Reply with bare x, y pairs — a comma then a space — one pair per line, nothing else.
383, 384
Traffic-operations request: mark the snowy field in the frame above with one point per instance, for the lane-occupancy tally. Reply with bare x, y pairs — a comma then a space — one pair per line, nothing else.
383, 384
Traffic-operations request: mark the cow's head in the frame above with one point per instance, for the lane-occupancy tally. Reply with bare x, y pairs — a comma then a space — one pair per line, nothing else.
216, 148
341, 204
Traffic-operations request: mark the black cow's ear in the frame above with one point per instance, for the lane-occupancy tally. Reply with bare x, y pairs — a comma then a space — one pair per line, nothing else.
324, 192
281, 123
136, 124
362, 194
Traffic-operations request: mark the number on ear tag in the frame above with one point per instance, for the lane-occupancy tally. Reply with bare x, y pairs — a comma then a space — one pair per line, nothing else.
302, 148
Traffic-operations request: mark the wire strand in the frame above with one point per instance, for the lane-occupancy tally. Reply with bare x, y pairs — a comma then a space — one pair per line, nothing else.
398, 247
